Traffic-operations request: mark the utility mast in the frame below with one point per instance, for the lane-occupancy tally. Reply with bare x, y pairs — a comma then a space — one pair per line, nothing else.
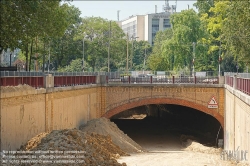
118, 11
169, 9
166, 7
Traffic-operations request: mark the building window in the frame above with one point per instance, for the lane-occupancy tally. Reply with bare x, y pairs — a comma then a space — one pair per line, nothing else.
166, 24
155, 28
130, 28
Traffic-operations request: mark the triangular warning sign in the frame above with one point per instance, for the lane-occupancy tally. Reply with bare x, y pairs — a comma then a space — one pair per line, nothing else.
213, 103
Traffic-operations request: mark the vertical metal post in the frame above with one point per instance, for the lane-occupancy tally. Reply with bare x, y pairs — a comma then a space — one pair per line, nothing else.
10, 58
193, 57
83, 55
127, 54
144, 61
109, 44
219, 58
132, 53
49, 58
43, 57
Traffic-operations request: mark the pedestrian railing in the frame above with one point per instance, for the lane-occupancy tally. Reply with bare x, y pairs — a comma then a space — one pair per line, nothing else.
239, 81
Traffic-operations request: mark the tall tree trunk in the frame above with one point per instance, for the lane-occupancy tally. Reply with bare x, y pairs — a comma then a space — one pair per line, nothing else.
27, 56
61, 57
30, 54
36, 63
1, 51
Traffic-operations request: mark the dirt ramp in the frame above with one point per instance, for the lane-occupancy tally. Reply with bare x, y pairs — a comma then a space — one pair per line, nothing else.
104, 126
197, 147
96, 149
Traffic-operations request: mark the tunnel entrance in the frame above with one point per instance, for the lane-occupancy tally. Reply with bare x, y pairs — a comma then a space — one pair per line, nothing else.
162, 127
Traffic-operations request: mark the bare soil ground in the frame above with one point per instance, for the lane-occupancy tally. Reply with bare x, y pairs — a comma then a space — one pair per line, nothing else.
165, 148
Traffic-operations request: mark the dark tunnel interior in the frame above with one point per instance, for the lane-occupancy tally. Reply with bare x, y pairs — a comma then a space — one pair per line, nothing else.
152, 125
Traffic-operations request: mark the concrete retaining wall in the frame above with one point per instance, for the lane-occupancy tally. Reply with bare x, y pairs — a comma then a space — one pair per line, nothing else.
237, 121
26, 113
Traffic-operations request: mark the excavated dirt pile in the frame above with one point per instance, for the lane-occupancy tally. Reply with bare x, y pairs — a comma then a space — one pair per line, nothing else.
190, 143
104, 126
19, 88
95, 149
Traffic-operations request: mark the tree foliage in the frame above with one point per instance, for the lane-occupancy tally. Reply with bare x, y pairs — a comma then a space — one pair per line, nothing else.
236, 29
23, 23
98, 33
219, 33
156, 60
187, 32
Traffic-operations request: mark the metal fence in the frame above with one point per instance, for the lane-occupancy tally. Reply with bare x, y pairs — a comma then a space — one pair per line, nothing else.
242, 75
166, 80
30, 74
114, 75
34, 81
13, 78
241, 81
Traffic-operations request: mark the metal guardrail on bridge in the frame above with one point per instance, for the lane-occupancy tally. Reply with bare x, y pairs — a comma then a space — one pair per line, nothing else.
240, 81
37, 79
166, 80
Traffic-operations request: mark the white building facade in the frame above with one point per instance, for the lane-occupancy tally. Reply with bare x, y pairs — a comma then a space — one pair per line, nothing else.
133, 26
145, 27
154, 23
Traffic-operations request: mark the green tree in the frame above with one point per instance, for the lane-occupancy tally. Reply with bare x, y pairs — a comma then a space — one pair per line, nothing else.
140, 52
74, 66
187, 33
98, 33
156, 59
204, 6
24, 21
65, 48
220, 36
236, 30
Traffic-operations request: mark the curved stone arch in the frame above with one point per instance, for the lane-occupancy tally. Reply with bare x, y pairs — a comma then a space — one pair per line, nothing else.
181, 102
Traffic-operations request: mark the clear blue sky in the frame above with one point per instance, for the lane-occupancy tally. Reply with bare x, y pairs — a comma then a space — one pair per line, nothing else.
108, 9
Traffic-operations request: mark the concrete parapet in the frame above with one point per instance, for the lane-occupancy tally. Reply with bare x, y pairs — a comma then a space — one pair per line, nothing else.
101, 79
48, 81
221, 80
235, 82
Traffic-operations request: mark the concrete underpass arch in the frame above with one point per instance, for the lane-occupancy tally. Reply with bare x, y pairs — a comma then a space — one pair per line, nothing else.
181, 102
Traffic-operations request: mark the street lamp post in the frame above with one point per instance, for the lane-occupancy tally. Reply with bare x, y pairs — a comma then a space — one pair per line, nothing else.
83, 42
144, 59
83, 55
127, 55
132, 50
219, 57
193, 56
109, 46
49, 57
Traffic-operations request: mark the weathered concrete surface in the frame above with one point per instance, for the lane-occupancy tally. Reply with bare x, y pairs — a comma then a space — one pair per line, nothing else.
237, 121
25, 114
